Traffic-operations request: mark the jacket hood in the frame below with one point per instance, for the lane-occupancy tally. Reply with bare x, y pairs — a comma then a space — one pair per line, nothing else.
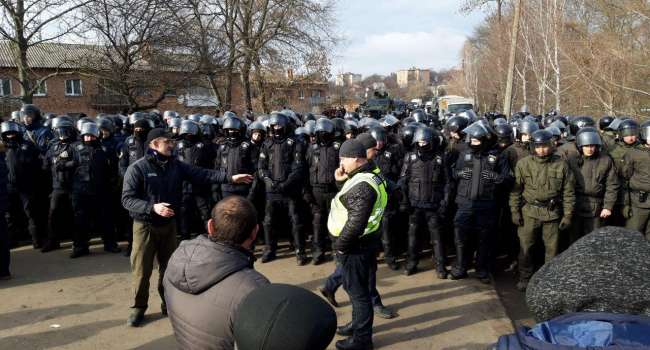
200, 263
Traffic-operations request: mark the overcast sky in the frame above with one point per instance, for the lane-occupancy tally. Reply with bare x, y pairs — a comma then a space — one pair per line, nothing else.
384, 36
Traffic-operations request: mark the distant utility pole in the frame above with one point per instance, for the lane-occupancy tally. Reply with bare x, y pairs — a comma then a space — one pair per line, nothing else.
507, 99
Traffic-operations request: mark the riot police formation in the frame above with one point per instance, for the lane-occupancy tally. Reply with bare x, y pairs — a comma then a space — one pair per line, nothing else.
483, 186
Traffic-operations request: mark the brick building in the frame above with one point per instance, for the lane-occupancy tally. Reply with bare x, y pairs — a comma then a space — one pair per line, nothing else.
73, 90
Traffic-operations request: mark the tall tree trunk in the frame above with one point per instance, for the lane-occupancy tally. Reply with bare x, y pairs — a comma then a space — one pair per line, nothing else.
261, 87
246, 81
507, 102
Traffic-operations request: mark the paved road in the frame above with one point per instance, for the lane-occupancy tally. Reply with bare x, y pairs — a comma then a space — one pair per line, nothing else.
54, 302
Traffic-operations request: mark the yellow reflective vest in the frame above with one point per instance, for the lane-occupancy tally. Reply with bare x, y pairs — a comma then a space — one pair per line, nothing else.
339, 214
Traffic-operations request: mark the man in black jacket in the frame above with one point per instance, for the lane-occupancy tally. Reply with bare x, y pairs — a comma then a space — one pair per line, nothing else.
152, 194
355, 217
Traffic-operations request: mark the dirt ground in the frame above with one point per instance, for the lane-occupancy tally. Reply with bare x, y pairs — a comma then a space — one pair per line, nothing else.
54, 302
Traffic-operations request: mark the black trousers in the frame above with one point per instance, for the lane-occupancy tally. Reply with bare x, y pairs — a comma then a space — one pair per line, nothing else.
23, 216
430, 217
357, 269
320, 209
5, 254
91, 214
479, 221
274, 207
60, 215
195, 212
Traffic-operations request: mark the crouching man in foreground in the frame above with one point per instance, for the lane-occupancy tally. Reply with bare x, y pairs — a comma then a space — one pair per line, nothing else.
208, 277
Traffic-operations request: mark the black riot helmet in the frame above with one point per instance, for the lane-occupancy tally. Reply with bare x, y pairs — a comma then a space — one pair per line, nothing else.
406, 135
480, 132
324, 130
645, 132
588, 136
257, 126
628, 127
579, 123
420, 116
11, 131
307, 117
30, 114
389, 121
560, 126
541, 138
366, 123
188, 127
423, 140
83, 121
136, 117
555, 131
195, 118
527, 127
505, 135
339, 129
174, 123
106, 123
457, 124
63, 129
16, 117
351, 128
90, 128
278, 123
603, 123
232, 127
379, 134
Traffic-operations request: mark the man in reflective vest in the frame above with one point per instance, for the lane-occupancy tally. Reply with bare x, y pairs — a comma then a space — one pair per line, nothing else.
355, 216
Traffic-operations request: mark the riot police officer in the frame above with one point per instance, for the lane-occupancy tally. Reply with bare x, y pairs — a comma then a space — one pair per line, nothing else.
280, 169
35, 131
322, 158
91, 192
569, 149
424, 186
195, 202
520, 149
627, 140
133, 149
23, 165
541, 202
477, 173
387, 158
596, 183
59, 159
235, 156
636, 169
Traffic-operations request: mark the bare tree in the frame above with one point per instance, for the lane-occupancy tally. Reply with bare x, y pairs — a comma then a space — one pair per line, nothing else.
28, 23
129, 59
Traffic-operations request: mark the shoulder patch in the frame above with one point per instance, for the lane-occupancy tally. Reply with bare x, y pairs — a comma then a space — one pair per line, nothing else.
80, 147
262, 156
492, 159
413, 157
388, 154
337, 145
245, 145
199, 145
290, 142
24, 147
131, 141
439, 159
468, 157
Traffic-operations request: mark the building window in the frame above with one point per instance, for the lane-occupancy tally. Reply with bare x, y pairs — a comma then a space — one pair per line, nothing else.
41, 90
315, 93
5, 87
73, 87
301, 94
